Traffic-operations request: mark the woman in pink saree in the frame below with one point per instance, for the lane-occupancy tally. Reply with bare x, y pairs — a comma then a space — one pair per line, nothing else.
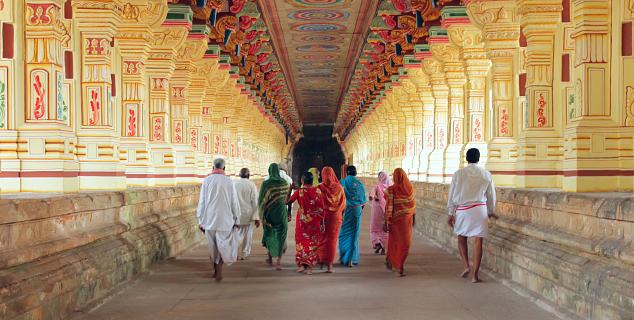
377, 198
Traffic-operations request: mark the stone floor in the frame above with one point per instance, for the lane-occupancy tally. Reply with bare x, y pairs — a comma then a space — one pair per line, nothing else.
182, 288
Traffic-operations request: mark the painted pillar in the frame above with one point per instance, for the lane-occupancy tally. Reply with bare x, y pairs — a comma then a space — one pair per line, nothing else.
35, 118
437, 139
540, 143
133, 41
593, 135
161, 66
501, 29
180, 85
468, 39
97, 132
455, 75
11, 96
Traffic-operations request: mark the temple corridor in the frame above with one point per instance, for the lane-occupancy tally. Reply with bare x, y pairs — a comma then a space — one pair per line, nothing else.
112, 113
182, 288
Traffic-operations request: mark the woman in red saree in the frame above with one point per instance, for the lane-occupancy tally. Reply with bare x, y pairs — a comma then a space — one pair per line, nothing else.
308, 227
399, 215
334, 204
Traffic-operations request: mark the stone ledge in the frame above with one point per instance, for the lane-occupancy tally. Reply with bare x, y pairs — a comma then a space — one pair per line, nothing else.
57, 276
576, 255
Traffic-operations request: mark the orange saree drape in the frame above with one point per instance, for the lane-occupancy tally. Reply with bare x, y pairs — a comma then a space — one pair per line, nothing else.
334, 204
399, 213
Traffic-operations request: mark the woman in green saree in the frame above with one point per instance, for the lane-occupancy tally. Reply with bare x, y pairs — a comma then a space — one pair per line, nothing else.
273, 214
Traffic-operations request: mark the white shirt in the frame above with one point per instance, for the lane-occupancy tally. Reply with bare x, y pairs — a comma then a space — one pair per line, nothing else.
471, 184
248, 199
286, 177
218, 207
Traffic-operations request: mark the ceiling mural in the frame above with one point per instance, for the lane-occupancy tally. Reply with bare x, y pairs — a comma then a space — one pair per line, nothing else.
318, 43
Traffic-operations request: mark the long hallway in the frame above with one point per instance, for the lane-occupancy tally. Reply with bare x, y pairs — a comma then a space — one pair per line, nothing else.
182, 288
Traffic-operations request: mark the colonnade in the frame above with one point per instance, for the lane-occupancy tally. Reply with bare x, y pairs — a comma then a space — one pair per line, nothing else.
544, 88
112, 94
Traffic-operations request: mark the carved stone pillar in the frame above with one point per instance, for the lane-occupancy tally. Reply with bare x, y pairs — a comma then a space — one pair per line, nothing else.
425, 119
410, 106
35, 108
134, 38
189, 54
501, 29
161, 65
594, 138
98, 138
468, 38
454, 70
198, 111
540, 143
437, 139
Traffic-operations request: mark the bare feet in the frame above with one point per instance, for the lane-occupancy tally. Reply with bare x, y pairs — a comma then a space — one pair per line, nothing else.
476, 280
402, 273
465, 273
388, 265
269, 262
309, 271
301, 269
329, 269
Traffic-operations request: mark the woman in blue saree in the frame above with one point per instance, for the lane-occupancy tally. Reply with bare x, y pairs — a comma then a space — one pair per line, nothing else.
349, 234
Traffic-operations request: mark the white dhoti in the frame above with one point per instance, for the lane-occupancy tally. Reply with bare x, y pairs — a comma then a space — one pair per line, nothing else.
472, 220
246, 239
223, 245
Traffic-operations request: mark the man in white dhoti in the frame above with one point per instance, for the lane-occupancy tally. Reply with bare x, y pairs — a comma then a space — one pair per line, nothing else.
218, 216
471, 202
249, 217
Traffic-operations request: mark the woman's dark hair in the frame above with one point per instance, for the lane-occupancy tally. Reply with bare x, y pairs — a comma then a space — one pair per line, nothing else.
307, 178
473, 155
351, 170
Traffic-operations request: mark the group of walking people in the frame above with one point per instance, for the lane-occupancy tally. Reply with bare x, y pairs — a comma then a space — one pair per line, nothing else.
329, 215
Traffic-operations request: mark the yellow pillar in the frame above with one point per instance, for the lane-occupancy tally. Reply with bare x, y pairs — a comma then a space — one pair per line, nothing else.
468, 39
540, 144
97, 135
500, 25
160, 67
593, 135
454, 69
133, 46
439, 134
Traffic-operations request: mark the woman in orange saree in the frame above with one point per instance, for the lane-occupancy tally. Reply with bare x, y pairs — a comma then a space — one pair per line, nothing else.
399, 215
334, 204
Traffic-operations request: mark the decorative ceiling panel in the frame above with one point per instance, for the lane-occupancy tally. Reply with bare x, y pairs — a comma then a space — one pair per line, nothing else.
318, 43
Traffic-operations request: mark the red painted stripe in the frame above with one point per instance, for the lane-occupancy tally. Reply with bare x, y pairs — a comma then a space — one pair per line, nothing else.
471, 206
567, 173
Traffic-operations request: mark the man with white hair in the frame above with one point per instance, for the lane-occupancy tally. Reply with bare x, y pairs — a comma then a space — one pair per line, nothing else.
218, 216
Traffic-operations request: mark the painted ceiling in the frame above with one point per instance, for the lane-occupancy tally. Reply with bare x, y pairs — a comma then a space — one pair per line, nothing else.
318, 43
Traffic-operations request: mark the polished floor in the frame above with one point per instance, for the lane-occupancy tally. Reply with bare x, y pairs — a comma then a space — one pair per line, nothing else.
182, 288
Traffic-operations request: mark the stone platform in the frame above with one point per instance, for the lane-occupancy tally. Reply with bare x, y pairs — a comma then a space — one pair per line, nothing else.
571, 250
64, 252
